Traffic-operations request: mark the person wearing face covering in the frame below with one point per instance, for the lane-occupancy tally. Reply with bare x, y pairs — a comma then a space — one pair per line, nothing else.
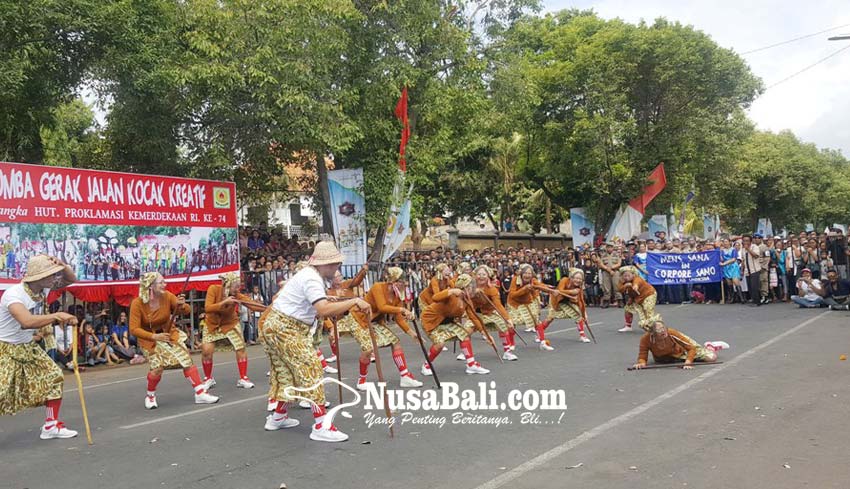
668, 345
28, 376
162, 342
387, 301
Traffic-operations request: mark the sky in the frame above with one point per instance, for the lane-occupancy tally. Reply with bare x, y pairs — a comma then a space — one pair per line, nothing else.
815, 104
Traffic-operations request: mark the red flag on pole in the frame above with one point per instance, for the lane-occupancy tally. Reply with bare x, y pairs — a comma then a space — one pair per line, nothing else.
401, 114
659, 181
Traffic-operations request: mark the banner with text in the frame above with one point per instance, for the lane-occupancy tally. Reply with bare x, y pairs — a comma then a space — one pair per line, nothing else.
349, 213
683, 268
112, 227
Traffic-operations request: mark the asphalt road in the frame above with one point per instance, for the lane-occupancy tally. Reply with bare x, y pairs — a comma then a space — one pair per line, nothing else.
773, 415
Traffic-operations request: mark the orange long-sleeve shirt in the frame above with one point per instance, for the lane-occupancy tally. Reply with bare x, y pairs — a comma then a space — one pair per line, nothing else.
427, 294
522, 295
144, 322
644, 290
447, 306
219, 317
565, 285
480, 301
666, 350
384, 302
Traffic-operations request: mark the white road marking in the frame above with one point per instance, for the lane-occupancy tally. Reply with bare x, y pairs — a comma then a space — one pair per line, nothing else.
559, 450
193, 412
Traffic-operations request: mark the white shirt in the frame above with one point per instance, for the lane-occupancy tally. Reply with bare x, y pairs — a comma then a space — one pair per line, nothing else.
297, 297
807, 292
63, 337
10, 329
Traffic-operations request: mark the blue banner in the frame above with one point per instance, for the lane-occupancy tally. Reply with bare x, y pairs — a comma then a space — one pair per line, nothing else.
683, 268
349, 213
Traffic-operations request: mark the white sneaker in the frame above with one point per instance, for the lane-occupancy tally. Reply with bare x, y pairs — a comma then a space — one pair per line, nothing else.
209, 383
718, 345
536, 339
329, 435
529, 330
545, 346
584, 339
625, 329
372, 358
361, 386
205, 398
331, 359
150, 402
445, 348
283, 423
245, 384
57, 430
426, 371
268, 373
330, 370
272, 405
409, 382
476, 368
461, 357
304, 404
509, 356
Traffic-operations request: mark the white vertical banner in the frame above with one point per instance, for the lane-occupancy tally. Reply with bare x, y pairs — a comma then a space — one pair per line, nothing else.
348, 207
582, 228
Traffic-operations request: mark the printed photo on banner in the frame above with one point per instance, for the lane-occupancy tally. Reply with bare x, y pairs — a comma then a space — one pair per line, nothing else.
113, 227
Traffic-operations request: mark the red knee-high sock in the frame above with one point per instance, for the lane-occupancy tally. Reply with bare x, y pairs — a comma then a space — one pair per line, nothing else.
432, 354
335, 348
401, 363
466, 348
541, 331
280, 410
51, 410
192, 376
629, 317
580, 326
152, 382
512, 337
322, 358
208, 368
242, 365
319, 415
506, 342
364, 368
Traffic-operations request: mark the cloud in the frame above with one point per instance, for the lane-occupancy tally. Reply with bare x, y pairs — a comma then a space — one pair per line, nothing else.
813, 104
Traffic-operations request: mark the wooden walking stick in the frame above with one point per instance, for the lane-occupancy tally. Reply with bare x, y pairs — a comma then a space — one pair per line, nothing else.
506, 319
338, 358
484, 331
74, 341
425, 352
673, 365
380, 371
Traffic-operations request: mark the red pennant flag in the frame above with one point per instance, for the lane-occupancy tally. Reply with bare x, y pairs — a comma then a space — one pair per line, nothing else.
659, 181
401, 114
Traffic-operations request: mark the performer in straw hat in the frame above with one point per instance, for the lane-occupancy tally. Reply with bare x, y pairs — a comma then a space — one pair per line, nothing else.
286, 331
640, 297
491, 312
28, 376
221, 330
442, 322
567, 303
162, 342
386, 300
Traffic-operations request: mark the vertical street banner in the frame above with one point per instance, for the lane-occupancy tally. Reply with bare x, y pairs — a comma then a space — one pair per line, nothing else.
398, 221
683, 268
582, 227
658, 224
710, 226
349, 213
112, 227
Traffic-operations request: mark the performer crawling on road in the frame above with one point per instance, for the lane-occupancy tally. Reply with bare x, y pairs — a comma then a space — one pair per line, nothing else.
670, 346
640, 298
